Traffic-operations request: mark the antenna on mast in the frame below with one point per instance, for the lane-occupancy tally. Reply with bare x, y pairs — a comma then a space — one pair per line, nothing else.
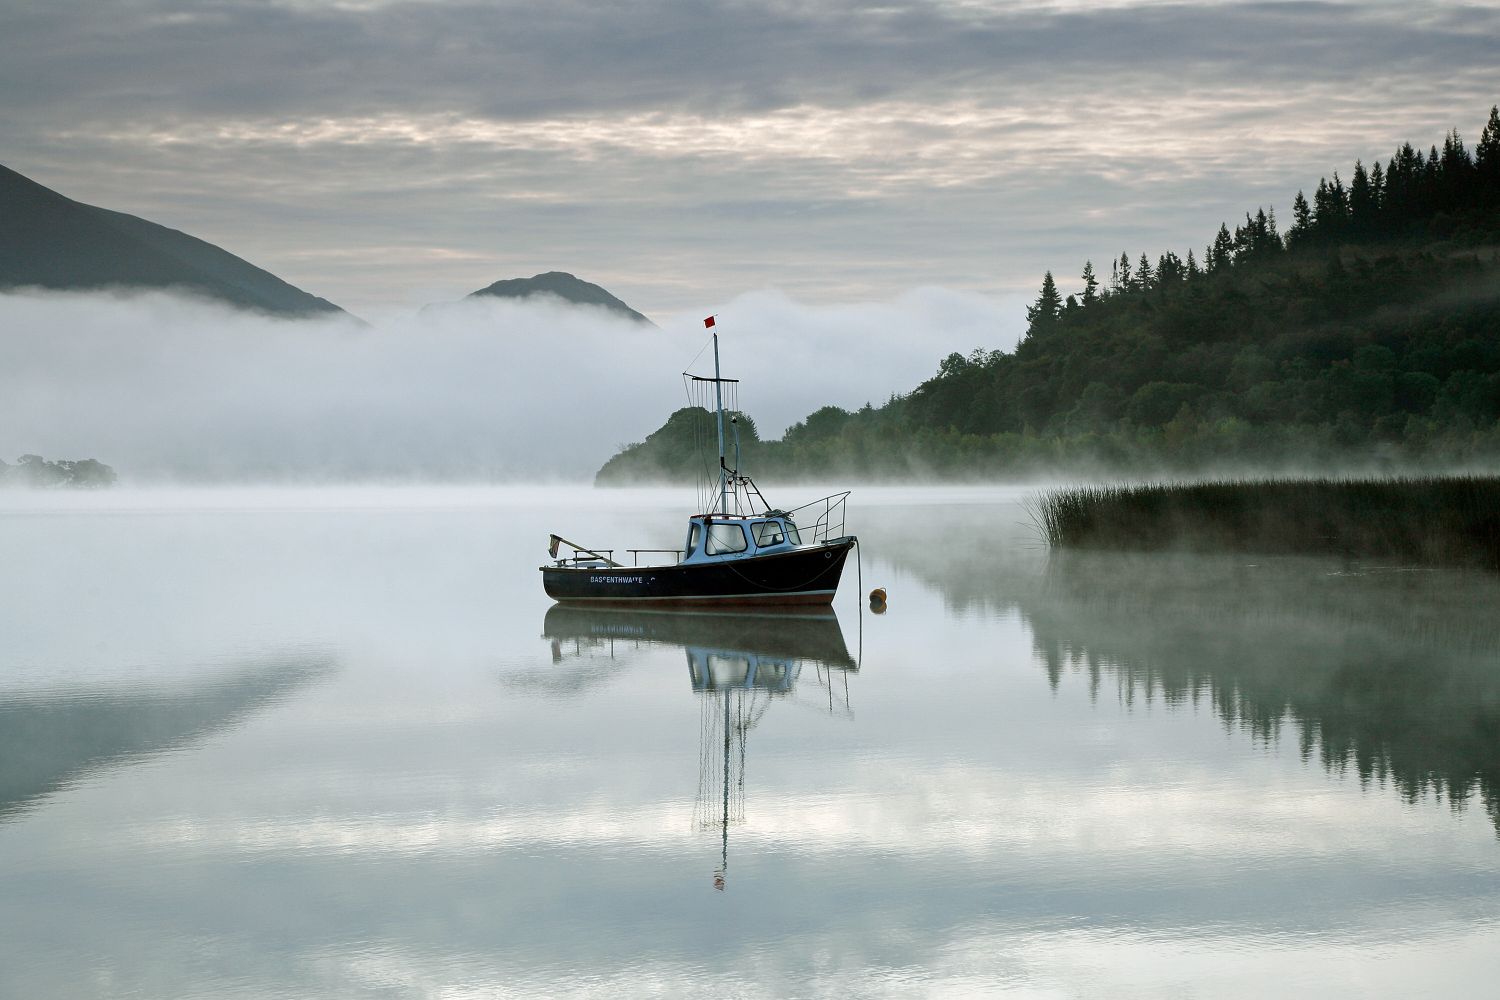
719, 405
727, 481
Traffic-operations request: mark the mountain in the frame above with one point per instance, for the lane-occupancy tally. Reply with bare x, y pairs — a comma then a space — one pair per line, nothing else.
49, 241
563, 286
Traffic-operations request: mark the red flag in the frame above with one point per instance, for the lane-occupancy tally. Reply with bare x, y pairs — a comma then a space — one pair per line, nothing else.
708, 322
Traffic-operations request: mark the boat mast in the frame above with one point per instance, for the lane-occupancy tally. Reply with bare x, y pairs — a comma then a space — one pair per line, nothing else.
719, 401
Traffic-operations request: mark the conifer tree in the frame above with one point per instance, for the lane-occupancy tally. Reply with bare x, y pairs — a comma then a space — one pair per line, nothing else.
1221, 253
1402, 177
1455, 171
1145, 278
1241, 241
1169, 269
1090, 284
1302, 221
1044, 314
1487, 154
1322, 225
1361, 201
1127, 283
1192, 266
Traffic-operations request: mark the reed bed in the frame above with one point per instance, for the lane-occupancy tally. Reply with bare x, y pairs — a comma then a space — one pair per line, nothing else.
1431, 521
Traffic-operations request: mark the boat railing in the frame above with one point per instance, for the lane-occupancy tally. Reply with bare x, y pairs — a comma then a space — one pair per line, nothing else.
635, 554
581, 556
830, 511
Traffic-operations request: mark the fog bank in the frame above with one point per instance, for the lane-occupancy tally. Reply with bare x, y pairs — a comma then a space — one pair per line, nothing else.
166, 388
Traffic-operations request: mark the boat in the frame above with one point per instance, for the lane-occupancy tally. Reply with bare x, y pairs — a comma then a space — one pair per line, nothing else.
741, 552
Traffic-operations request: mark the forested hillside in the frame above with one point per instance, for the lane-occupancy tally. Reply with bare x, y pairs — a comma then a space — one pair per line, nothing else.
1367, 335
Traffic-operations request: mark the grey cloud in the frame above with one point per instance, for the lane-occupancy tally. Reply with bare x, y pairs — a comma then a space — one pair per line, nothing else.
241, 58
364, 155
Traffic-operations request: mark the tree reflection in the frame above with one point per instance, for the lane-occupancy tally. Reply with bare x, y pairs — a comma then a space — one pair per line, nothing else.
1387, 673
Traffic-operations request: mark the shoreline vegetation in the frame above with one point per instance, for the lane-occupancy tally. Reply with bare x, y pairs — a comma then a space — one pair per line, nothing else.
1364, 340
36, 472
1428, 521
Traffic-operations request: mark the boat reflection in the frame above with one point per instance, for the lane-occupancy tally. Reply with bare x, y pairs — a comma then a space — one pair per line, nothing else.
738, 665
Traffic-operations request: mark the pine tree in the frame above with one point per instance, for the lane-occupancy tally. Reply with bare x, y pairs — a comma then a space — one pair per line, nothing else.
1262, 239
1322, 224
1487, 154
1361, 201
1169, 270
1302, 221
1402, 179
1221, 253
1044, 315
1192, 267
1330, 209
1487, 163
1127, 283
1455, 173
1090, 284
1145, 278
1244, 239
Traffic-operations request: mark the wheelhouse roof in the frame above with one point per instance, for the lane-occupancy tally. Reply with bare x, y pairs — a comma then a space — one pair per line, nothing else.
770, 515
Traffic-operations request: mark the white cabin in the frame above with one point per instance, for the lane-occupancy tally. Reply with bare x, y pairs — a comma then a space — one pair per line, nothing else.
720, 537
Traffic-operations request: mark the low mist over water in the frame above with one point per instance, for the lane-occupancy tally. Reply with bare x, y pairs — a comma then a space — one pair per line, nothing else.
337, 741
164, 388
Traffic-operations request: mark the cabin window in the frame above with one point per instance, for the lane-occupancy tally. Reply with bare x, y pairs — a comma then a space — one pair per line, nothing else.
792, 535
695, 531
769, 533
724, 538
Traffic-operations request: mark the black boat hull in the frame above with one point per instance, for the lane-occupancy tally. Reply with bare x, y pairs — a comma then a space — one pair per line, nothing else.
808, 575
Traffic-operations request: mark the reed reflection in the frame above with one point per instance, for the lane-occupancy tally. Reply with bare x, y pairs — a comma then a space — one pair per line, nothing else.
739, 664
54, 739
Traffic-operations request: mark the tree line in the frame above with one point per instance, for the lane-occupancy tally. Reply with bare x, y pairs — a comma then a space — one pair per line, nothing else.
1365, 336
1442, 193
34, 470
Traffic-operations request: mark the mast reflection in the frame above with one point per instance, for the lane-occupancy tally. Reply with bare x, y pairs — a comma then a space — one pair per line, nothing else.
738, 664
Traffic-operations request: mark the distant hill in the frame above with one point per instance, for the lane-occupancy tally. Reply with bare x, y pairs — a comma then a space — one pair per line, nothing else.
678, 451
49, 241
563, 286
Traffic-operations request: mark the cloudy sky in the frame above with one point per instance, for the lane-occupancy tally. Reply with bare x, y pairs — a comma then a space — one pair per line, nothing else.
388, 154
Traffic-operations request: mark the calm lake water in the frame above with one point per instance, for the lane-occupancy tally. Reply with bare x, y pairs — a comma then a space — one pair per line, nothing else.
337, 743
